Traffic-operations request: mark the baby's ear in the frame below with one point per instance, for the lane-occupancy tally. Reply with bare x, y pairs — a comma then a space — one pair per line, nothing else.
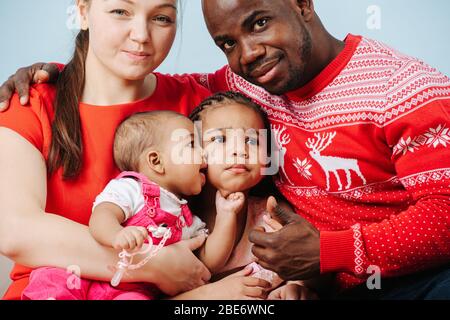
155, 162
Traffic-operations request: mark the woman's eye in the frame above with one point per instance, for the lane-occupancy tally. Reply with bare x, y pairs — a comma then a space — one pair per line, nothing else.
163, 19
119, 12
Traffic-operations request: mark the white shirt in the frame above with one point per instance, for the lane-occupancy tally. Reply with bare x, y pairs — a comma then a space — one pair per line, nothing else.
127, 194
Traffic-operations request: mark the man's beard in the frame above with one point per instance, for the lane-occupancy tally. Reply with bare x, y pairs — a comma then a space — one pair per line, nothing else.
295, 73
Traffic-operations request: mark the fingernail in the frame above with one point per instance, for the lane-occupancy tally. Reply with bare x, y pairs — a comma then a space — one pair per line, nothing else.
23, 100
2, 106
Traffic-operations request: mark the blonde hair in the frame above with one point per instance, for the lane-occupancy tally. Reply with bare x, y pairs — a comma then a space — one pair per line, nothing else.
137, 134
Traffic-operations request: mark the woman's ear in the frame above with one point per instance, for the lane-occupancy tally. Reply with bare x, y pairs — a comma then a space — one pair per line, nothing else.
155, 162
83, 8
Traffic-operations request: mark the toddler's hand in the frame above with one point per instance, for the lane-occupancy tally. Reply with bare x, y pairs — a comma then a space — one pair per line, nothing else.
130, 238
231, 205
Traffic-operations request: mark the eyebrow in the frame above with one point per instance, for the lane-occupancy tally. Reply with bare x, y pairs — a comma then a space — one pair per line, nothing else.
229, 128
246, 23
163, 5
249, 20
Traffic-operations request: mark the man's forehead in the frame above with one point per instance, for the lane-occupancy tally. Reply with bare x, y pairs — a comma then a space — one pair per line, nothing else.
216, 7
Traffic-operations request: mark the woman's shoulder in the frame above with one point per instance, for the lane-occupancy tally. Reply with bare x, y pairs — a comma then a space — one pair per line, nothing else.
32, 121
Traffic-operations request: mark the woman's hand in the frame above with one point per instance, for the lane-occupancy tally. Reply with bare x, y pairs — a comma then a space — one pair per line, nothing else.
292, 291
176, 269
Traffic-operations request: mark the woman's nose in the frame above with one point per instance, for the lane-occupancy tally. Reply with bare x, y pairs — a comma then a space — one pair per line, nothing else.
140, 32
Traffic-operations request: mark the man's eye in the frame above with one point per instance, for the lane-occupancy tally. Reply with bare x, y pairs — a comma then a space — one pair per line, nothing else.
218, 139
260, 24
228, 44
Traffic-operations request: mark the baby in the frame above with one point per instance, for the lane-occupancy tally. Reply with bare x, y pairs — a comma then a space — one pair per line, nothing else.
160, 163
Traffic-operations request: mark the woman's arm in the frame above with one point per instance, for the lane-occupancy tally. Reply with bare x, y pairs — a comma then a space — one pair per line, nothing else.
238, 286
32, 237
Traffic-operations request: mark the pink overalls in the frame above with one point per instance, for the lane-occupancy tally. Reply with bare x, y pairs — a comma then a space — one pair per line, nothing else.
54, 283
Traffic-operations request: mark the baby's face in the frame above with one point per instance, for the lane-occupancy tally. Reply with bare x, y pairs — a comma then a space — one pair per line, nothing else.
183, 160
234, 147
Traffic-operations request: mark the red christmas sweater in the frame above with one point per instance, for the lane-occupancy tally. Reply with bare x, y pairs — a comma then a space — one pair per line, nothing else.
365, 148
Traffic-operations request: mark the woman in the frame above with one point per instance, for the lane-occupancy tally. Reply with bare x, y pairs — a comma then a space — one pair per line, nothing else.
57, 155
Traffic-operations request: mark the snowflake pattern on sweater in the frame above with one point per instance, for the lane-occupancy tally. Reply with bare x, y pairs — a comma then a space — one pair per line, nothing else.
365, 154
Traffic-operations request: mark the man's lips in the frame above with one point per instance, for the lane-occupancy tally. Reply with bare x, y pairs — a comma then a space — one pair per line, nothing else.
264, 69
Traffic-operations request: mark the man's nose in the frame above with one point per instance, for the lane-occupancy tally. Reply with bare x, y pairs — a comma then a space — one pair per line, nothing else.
251, 52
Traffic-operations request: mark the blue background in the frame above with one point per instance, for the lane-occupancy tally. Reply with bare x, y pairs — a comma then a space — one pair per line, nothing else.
34, 31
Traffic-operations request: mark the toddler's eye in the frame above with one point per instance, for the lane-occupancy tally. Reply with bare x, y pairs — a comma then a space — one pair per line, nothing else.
252, 141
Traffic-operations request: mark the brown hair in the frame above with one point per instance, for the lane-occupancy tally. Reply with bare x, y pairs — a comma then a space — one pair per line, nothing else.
66, 149
229, 97
138, 133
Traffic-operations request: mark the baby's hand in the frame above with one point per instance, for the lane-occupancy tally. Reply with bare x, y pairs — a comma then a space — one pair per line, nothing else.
130, 238
231, 205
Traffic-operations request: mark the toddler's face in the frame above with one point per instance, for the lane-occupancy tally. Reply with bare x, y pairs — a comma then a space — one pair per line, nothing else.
234, 147
183, 160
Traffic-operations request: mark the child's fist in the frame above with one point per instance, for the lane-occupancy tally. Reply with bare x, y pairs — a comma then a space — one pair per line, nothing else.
231, 205
130, 238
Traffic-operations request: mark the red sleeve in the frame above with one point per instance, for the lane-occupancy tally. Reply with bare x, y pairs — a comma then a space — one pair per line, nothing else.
25, 120
419, 237
214, 82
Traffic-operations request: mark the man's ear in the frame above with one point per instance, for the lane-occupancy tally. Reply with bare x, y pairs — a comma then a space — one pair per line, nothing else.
83, 8
306, 9
155, 162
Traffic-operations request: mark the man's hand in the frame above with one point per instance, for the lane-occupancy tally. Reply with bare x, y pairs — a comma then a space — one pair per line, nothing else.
21, 80
292, 252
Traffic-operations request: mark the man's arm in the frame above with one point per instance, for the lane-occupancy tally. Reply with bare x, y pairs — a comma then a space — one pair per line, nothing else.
21, 80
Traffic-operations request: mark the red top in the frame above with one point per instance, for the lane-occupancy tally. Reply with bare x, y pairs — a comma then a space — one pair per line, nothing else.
366, 158
74, 199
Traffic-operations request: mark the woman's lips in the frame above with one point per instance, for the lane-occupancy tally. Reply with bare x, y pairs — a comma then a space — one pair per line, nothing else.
137, 55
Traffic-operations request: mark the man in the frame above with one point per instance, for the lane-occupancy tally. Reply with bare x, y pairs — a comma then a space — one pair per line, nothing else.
364, 138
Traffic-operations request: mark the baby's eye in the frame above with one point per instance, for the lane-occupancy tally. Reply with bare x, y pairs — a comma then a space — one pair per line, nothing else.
218, 139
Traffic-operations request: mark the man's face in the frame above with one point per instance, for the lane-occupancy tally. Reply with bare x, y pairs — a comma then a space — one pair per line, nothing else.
265, 41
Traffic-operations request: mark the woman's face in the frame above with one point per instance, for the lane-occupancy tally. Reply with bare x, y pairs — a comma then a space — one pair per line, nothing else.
130, 38
234, 147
